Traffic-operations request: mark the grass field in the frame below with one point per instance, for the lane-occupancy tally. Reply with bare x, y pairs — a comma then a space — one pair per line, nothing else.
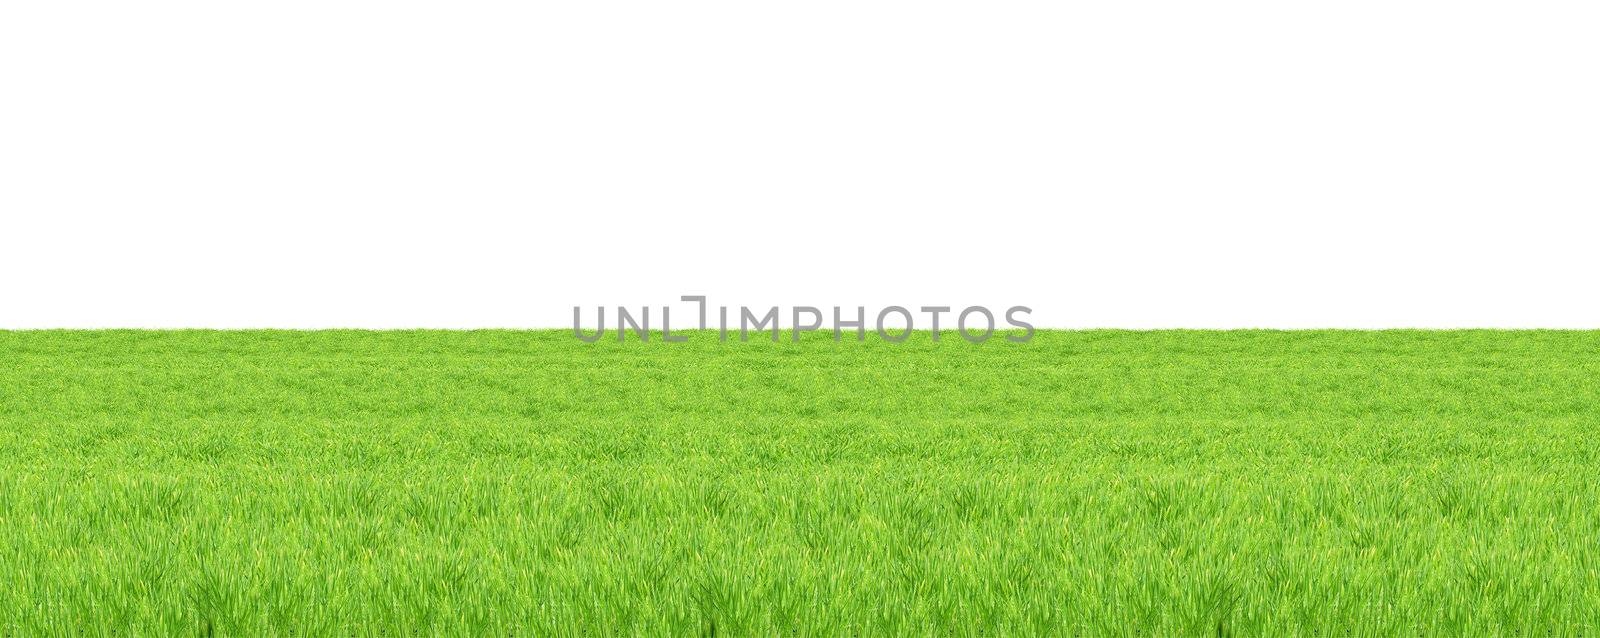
525, 483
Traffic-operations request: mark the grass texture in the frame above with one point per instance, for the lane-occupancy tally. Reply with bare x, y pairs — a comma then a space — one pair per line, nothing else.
526, 483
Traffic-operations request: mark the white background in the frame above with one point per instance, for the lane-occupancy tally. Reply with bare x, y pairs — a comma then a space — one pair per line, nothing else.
328, 163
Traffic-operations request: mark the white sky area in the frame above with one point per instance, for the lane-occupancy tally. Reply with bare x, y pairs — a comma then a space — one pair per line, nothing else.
340, 163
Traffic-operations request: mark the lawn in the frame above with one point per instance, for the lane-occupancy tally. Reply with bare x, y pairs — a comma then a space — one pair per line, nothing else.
525, 483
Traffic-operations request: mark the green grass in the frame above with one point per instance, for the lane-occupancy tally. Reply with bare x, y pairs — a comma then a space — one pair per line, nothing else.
525, 483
